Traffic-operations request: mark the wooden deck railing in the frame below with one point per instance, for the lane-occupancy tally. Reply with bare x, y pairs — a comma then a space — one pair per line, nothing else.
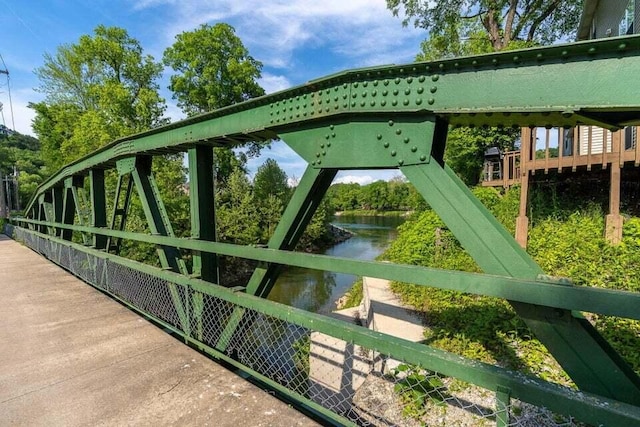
507, 175
544, 150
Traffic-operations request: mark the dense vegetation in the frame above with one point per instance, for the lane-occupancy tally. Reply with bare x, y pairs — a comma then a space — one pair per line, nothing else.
22, 152
394, 195
566, 239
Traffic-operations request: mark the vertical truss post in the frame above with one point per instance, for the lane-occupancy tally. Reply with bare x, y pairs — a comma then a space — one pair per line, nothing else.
41, 217
588, 359
98, 206
58, 207
68, 209
203, 225
202, 202
299, 211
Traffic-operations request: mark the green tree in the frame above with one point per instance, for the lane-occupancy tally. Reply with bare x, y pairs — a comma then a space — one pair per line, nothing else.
271, 194
22, 152
270, 213
501, 23
270, 180
345, 197
213, 69
237, 214
99, 89
376, 195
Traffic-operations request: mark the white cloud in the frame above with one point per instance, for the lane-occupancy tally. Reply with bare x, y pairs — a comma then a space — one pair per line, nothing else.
272, 83
22, 114
364, 177
353, 179
173, 112
361, 31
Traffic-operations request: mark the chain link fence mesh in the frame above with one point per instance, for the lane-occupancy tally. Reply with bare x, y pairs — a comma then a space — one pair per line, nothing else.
358, 383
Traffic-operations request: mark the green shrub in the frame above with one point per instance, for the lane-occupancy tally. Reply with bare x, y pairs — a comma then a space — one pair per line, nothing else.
354, 295
569, 241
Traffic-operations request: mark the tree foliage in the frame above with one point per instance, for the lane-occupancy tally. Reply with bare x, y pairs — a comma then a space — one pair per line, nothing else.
499, 23
394, 195
23, 153
213, 69
271, 180
96, 90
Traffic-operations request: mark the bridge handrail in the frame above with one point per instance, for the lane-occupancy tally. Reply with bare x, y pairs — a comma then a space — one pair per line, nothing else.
589, 408
546, 291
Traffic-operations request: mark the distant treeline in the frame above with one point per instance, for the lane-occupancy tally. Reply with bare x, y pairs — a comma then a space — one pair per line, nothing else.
394, 195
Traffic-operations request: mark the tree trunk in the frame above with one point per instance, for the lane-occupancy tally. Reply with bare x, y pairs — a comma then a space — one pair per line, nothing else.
493, 28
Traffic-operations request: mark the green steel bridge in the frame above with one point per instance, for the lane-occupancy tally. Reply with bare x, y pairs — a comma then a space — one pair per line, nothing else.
388, 117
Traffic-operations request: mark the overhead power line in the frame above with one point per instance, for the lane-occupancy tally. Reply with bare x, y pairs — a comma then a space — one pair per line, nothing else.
6, 72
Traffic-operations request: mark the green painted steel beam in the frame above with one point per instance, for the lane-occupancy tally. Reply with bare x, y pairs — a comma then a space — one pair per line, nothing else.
156, 214
58, 206
542, 291
586, 407
203, 214
368, 142
98, 205
579, 83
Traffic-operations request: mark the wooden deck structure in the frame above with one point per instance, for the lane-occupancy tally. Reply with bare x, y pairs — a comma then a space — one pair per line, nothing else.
566, 150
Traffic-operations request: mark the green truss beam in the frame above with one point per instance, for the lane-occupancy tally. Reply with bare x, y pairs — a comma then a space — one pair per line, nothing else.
382, 117
559, 86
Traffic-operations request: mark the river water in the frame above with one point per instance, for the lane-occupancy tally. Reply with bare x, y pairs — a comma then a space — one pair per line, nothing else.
317, 291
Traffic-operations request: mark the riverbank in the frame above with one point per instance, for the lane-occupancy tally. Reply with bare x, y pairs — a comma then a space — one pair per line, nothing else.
334, 236
373, 212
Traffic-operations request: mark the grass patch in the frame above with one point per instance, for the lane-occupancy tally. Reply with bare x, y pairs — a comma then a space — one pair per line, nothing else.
354, 295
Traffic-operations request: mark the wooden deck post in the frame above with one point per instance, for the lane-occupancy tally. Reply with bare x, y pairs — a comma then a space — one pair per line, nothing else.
522, 222
613, 221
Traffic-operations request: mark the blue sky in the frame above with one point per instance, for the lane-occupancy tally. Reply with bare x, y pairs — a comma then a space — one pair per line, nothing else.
297, 40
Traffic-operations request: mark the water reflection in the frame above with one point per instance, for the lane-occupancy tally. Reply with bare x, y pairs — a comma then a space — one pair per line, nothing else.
318, 291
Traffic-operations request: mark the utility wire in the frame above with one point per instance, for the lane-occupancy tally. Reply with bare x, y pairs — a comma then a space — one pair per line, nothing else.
6, 71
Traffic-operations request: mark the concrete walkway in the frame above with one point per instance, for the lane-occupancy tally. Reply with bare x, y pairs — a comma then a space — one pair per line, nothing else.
339, 369
72, 356
385, 313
